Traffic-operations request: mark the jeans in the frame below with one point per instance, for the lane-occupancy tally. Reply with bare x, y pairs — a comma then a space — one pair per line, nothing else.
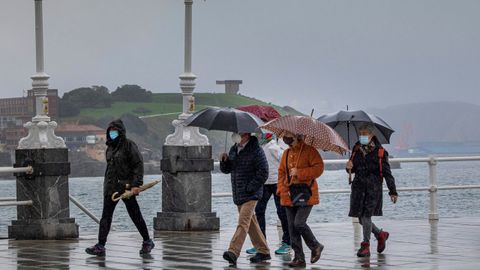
133, 211
368, 228
247, 224
268, 191
297, 224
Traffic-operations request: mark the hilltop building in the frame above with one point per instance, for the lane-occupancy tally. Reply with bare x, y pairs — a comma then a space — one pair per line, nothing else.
231, 86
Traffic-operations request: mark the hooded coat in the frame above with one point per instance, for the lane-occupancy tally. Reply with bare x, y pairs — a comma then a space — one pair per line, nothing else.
366, 198
248, 171
124, 162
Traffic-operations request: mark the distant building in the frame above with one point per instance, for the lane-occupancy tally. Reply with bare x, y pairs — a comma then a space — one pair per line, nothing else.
231, 86
53, 102
24, 107
14, 112
89, 139
76, 136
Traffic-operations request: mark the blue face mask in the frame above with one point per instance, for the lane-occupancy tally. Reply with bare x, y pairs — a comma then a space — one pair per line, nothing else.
113, 134
364, 139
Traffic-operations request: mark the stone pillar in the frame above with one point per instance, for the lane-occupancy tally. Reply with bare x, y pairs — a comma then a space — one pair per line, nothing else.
47, 187
186, 190
187, 162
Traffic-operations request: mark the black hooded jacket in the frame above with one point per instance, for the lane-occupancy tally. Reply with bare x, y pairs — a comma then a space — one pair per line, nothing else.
124, 162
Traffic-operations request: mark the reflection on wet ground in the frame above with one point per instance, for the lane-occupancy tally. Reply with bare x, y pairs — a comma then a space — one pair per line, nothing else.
413, 244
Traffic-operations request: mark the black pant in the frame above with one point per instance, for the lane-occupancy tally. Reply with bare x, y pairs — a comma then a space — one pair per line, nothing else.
268, 191
297, 224
133, 211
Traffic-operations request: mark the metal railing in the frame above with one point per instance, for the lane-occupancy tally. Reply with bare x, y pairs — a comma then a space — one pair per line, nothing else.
84, 209
28, 170
432, 176
16, 203
12, 201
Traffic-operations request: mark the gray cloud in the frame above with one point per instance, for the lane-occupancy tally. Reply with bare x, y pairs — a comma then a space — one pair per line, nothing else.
310, 53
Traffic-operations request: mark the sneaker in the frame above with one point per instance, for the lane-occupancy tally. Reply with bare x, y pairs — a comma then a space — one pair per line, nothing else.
147, 246
364, 250
297, 263
97, 250
283, 249
316, 253
260, 257
382, 241
230, 257
251, 251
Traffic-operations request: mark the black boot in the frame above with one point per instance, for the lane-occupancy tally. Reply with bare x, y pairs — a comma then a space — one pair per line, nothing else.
316, 253
147, 246
97, 250
297, 263
260, 257
230, 257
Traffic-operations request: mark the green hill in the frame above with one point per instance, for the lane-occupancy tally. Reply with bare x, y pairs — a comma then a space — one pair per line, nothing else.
171, 103
159, 114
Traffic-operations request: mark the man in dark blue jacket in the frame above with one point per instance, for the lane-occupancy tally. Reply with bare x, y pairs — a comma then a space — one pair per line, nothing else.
124, 171
248, 167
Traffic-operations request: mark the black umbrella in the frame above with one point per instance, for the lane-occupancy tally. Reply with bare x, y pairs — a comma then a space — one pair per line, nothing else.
347, 124
226, 119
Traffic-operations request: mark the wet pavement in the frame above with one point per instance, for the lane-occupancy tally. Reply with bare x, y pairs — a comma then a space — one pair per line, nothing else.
413, 244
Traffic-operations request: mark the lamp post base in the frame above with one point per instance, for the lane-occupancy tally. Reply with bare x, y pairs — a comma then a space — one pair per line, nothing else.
41, 135
186, 136
186, 190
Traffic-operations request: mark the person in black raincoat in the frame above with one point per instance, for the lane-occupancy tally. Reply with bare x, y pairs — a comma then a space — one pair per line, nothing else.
369, 163
124, 171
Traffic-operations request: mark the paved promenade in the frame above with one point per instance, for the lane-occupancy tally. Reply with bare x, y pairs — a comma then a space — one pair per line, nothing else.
413, 244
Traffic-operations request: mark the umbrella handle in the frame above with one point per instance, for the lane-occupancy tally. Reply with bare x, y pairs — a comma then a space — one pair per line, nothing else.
115, 198
226, 138
349, 176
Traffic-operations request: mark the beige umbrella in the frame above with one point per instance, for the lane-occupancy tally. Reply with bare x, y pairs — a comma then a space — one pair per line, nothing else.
316, 133
127, 194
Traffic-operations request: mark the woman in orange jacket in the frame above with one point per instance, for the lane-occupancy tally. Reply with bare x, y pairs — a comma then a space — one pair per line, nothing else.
300, 164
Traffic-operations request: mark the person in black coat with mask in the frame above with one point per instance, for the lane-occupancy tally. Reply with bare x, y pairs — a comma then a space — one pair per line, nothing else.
369, 163
124, 172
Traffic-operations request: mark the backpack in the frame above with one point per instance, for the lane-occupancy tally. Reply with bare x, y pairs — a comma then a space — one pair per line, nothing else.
381, 154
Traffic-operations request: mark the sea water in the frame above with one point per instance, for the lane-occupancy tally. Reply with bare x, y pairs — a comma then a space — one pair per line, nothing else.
332, 207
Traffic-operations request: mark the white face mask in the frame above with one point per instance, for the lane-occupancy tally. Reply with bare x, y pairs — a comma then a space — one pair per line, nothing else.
236, 138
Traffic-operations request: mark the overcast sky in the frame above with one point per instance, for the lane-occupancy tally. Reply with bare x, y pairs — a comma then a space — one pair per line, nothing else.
307, 54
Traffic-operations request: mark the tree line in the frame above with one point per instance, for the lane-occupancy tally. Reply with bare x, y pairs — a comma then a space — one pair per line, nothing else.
100, 97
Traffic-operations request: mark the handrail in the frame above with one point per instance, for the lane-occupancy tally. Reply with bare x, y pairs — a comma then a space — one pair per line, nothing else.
16, 203
11, 201
403, 160
433, 158
84, 209
346, 191
28, 170
432, 176
6, 199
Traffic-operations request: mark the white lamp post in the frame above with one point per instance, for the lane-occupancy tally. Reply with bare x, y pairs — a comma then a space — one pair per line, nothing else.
40, 129
183, 135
